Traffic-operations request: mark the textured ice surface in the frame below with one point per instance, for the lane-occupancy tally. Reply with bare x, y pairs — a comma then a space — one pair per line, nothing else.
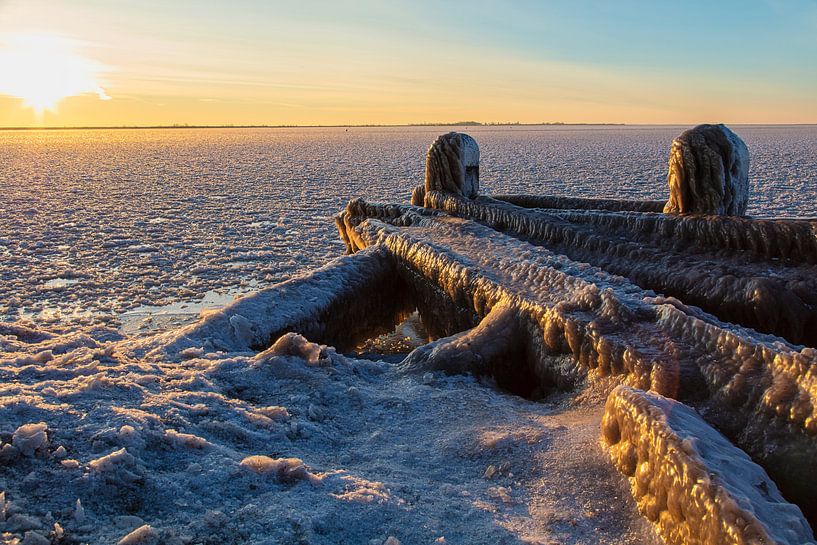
328, 304
767, 293
292, 445
160, 217
757, 388
694, 485
452, 164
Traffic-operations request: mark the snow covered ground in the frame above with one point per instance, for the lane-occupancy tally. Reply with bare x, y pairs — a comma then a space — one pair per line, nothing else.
296, 444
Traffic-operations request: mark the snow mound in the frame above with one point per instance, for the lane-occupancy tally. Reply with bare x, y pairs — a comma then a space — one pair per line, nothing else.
285, 470
30, 438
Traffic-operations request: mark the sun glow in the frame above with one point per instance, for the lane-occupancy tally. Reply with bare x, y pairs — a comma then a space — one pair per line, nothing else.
44, 69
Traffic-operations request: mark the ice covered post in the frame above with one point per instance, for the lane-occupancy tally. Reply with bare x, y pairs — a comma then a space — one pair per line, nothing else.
452, 165
708, 172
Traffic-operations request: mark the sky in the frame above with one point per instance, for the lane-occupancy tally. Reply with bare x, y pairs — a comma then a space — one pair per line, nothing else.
152, 62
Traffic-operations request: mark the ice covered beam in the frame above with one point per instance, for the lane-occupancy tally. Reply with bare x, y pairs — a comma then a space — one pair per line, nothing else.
771, 296
579, 203
690, 481
359, 210
759, 389
496, 347
708, 172
792, 240
562, 306
334, 304
452, 165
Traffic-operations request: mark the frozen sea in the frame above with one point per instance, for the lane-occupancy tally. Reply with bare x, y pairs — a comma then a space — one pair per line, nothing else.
141, 229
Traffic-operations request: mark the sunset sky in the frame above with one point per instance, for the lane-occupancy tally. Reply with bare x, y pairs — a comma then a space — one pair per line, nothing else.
146, 62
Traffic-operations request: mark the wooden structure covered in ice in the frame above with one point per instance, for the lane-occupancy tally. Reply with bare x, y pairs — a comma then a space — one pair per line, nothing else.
705, 319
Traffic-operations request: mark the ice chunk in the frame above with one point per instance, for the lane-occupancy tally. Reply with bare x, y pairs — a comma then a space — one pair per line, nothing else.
79, 512
144, 535
30, 438
118, 467
188, 440
295, 345
285, 470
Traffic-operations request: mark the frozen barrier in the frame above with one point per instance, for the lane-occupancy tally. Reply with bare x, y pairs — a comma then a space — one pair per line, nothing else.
690, 481
758, 389
581, 203
329, 305
770, 296
792, 240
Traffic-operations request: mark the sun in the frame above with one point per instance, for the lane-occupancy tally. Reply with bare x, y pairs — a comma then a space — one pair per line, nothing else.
43, 69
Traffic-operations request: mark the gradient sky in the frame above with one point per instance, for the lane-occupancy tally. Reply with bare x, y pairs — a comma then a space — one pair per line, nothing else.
356, 62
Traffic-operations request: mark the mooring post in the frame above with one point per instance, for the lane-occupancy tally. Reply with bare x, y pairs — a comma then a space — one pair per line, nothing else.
708, 172
452, 166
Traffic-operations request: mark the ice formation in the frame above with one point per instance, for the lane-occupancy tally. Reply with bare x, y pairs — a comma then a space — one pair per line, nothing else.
260, 423
708, 172
758, 273
452, 165
579, 203
278, 447
690, 481
566, 294
323, 305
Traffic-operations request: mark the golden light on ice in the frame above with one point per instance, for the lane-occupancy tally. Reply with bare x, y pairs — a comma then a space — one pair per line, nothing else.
44, 69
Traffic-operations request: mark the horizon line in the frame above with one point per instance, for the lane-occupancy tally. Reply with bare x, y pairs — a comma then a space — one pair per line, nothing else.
372, 125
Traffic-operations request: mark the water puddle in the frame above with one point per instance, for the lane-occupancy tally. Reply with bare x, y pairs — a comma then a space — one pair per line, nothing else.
265, 223
396, 344
153, 318
59, 283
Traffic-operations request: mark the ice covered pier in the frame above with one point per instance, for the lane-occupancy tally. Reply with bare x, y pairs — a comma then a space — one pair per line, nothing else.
697, 323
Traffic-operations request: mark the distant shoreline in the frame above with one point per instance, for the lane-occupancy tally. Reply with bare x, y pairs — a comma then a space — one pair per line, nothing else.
408, 125
459, 124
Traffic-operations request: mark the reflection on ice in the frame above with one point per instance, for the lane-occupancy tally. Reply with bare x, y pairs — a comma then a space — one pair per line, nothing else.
58, 283
154, 318
397, 344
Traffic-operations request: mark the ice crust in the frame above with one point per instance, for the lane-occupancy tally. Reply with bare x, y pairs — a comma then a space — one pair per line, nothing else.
293, 444
768, 294
791, 240
690, 481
